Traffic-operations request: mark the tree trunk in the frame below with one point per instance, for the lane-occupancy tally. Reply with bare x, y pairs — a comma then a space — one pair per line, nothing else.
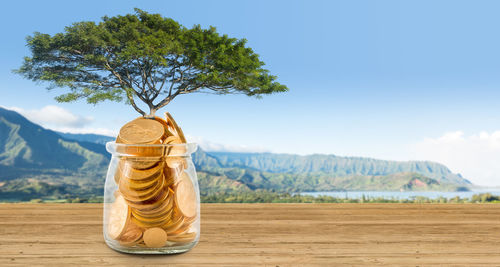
151, 114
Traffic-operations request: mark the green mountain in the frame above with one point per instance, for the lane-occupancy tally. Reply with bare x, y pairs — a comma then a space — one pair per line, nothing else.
294, 173
335, 166
40, 163
27, 147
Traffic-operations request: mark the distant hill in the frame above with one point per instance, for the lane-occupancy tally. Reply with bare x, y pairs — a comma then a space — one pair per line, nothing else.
27, 147
40, 163
293, 173
336, 166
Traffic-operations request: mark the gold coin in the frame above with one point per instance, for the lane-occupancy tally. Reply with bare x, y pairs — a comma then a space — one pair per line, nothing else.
131, 236
163, 216
174, 224
167, 132
163, 208
118, 140
155, 237
131, 194
185, 196
169, 176
141, 163
128, 171
150, 204
177, 129
181, 230
177, 148
190, 220
118, 217
177, 163
160, 220
174, 170
166, 205
117, 176
141, 131
142, 150
142, 196
146, 225
138, 184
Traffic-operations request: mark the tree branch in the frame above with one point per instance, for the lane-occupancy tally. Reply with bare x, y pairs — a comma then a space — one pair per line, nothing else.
167, 100
132, 102
127, 92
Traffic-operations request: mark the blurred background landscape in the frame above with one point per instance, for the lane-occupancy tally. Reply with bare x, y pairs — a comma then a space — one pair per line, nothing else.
44, 165
389, 102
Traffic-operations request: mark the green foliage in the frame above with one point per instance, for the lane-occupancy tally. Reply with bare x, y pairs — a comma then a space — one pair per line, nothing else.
144, 56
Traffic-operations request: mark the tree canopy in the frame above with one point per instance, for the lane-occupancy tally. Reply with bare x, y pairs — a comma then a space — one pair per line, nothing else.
144, 57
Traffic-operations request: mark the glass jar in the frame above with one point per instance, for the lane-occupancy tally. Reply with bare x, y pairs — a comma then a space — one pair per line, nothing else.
151, 199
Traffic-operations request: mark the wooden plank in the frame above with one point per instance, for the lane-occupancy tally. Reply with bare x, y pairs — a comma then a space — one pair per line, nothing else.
268, 234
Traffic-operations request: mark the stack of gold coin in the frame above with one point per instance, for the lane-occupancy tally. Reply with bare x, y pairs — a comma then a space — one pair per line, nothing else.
155, 204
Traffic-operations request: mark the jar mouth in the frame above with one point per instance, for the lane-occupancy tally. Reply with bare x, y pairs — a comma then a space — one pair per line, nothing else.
151, 150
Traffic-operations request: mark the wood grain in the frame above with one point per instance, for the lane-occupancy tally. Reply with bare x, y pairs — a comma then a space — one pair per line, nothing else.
268, 234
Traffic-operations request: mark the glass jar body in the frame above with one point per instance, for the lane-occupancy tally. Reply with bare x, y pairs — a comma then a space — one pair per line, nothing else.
151, 199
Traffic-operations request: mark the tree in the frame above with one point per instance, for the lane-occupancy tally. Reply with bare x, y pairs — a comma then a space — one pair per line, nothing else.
144, 57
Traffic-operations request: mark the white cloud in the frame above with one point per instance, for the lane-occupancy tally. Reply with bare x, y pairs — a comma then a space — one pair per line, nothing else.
211, 146
476, 156
62, 120
54, 116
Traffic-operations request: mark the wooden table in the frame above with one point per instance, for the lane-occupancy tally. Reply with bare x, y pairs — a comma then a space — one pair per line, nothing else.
268, 234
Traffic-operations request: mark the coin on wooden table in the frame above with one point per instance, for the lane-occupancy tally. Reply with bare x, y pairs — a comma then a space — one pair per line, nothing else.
141, 131
176, 128
185, 197
118, 217
155, 237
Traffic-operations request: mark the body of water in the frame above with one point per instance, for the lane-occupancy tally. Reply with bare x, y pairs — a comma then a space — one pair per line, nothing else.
400, 195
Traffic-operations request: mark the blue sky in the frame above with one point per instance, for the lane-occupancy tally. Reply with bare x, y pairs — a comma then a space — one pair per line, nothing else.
387, 79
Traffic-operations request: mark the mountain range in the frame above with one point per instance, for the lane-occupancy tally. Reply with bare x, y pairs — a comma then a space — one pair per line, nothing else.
39, 163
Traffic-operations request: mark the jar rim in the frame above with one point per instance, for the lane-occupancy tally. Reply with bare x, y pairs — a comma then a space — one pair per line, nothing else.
151, 150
